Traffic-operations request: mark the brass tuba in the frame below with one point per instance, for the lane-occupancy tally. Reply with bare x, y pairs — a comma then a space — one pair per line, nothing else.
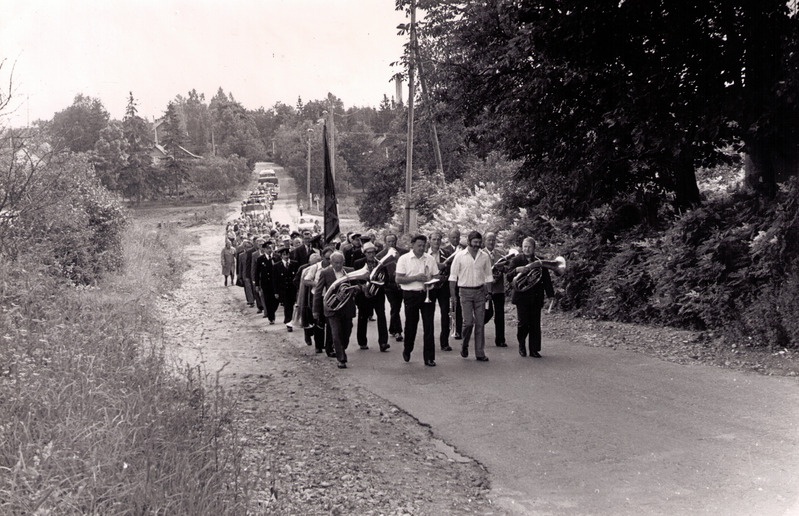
340, 292
530, 277
378, 276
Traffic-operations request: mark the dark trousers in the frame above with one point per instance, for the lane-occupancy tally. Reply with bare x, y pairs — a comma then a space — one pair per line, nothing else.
249, 291
441, 296
341, 329
529, 316
414, 307
394, 298
288, 299
498, 301
269, 302
367, 306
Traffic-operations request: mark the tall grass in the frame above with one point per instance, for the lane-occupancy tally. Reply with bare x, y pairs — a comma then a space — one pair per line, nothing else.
93, 418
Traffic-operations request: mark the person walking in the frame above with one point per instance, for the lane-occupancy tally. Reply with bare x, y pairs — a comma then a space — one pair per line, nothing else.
285, 289
228, 261
413, 270
497, 289
391, 289
529, 302
440, 291
339, 318
371, 301
471, 276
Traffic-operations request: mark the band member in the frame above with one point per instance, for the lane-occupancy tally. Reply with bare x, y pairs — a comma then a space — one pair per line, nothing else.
392, 290
263, 280
340, 320
413, 270
529, 303
471, 275
454, 238
323, 337
497, 289
304, 306
371, 304
355, 252
283, 284
440, 292
302, 251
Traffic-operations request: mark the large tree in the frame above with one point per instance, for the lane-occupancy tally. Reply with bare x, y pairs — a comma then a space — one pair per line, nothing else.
78, 127
602, 99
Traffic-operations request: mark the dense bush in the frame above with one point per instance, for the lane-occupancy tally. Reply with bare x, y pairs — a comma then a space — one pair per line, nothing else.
66, 221
731, 264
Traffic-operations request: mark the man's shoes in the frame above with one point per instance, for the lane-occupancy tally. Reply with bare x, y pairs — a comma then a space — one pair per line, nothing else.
406, 356
364, 347
331, 354
250, 304
482, 359
342, 365
289, 328
535, 354
523, 352
398, 336
260, 310
464, 352
430, 363
308, 341
501, 345
458, 336
271, 321
320, 350
384, 347
446, 348
265, 316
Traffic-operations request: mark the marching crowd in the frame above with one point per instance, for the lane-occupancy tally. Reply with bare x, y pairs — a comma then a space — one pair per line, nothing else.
323, 288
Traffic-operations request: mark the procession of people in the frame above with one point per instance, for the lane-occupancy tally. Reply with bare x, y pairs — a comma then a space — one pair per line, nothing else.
323, 288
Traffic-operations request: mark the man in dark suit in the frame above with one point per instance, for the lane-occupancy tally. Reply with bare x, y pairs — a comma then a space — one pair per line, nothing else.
340, 319
447, 251
367, 305
301, 253
355, 252
283, 284
263, 280
245, 260
391, 289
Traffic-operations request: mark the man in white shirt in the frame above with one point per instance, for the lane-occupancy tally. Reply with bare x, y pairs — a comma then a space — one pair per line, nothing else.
413, 270
471, 275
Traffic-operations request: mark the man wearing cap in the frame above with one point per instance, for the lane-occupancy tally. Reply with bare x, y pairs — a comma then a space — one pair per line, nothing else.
355, 252
368, 305
340, 319
391, 289
413, 270
471, 275
283, 284
263, 279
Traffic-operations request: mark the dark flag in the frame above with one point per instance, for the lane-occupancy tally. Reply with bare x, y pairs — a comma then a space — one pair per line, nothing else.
331, 205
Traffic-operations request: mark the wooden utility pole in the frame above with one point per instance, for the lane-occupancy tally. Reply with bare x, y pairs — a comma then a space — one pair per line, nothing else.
429, 106
409, 219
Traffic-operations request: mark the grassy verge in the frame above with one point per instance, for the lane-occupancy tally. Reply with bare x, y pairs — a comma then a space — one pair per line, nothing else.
93, 419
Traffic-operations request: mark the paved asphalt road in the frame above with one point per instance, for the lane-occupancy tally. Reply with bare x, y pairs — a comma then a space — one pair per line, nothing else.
599, 431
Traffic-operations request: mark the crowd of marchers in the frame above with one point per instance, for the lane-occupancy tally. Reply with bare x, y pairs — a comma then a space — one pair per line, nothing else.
323, 287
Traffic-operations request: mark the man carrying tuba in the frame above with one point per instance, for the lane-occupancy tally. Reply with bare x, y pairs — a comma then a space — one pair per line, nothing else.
530, 278
339, 316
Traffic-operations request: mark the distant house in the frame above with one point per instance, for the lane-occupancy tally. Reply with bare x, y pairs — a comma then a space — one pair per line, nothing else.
158, 152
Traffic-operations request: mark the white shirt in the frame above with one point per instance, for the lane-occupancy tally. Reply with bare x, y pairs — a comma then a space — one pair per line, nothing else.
471, 272
409, 265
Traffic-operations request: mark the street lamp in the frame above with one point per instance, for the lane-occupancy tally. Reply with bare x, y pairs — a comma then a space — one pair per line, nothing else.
308, 179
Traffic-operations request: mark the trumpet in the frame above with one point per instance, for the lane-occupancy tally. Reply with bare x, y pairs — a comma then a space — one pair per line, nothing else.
532, 273
428, 285
341, 291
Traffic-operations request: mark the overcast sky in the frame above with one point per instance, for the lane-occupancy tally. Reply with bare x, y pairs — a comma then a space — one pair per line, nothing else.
263, 51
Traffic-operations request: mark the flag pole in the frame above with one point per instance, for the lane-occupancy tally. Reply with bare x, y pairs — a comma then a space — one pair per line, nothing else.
409, 148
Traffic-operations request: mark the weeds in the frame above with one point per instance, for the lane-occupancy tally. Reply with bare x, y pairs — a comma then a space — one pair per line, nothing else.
93, 419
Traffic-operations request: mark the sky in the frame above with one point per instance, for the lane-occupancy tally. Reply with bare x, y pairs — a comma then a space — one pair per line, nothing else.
261, 51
